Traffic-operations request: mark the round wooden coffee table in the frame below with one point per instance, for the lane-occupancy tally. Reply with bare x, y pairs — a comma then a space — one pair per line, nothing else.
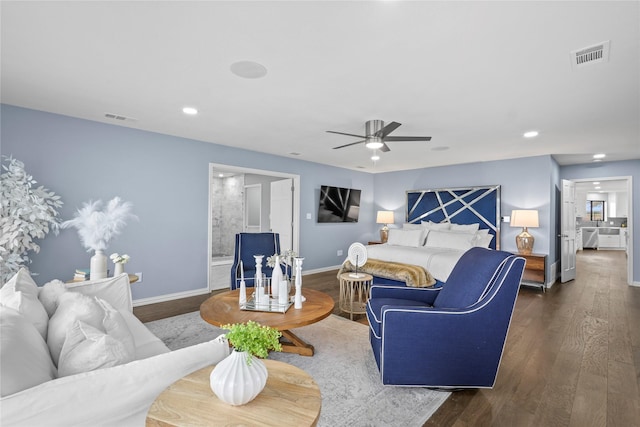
223, 309
290, 398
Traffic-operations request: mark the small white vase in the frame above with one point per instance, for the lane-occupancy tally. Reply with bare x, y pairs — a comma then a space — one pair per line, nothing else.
98, 268
235, 382
118, 268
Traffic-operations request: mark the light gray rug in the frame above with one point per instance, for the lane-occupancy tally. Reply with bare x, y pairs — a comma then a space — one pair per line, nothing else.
343, 366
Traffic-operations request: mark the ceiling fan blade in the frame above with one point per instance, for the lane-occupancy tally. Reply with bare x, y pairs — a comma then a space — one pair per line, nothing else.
382, 133
348, 145
348, 134
385, 148
408, 138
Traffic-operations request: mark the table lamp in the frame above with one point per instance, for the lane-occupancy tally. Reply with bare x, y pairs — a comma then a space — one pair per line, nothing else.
384, 217
524, 219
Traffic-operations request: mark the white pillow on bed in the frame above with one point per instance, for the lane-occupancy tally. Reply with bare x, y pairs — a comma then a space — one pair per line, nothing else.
412, 238
430, 225
482, 238
409, 226
450, 239
465, 227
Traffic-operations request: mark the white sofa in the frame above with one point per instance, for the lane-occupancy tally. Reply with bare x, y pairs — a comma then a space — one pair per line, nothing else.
128, 365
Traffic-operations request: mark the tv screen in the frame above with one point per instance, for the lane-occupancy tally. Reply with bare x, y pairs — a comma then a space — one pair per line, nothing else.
338, 204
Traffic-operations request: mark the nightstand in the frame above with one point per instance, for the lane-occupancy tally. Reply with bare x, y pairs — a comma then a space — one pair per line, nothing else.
535, 271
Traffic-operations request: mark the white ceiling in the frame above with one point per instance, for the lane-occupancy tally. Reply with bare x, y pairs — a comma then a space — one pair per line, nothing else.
472, 75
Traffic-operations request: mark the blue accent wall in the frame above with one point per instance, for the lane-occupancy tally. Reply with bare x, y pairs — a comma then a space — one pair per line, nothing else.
166, 178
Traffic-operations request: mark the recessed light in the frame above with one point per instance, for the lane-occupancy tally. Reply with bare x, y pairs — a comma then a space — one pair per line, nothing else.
530, 134
248, 69
596, 182
190, 111
597, 188
375, 157
599, 156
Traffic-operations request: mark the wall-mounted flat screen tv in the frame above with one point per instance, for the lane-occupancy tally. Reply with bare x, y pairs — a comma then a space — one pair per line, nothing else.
338, 204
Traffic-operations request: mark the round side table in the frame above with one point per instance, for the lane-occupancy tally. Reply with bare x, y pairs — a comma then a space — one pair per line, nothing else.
354, 292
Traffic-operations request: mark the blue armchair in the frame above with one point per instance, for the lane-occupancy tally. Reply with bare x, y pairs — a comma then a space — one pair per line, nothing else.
248, 245
449, 337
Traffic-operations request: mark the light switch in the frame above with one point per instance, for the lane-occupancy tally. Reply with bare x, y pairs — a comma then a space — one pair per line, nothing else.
308, 215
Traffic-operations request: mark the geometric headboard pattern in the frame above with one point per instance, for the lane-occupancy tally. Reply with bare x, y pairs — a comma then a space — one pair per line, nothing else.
458, 205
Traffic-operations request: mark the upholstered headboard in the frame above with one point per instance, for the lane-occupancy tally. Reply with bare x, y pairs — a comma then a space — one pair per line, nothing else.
458, 205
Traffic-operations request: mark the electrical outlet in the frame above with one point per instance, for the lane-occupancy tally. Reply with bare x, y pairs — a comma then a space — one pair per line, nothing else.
139, 277
339, 252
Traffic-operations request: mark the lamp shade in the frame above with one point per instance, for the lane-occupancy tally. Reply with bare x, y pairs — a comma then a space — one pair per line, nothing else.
524, 218
385, 217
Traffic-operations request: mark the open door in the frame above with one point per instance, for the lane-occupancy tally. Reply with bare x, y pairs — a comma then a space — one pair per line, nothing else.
281, 217
568, 232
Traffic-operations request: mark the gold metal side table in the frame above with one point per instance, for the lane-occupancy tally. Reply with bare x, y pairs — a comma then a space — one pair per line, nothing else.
354, 293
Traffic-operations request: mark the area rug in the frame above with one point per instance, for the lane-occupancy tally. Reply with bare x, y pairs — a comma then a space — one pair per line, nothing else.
343, 366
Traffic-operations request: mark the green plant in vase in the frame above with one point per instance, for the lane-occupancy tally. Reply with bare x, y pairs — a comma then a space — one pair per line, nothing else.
254, 339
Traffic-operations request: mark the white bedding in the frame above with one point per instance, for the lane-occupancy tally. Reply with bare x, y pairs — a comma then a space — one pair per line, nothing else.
437, 261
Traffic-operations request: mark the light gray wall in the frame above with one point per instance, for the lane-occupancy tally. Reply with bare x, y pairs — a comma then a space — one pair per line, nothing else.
166, 178
524, 185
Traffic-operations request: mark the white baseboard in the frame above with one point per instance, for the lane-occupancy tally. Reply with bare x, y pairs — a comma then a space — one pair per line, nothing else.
169, 297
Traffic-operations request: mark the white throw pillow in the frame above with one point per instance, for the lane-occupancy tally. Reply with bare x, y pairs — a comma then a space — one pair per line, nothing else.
116, 327
482, 240
24, 356
87, 348
465, 227
450, 240
72, 306
430, 225
49, 294
21, 294
412, 238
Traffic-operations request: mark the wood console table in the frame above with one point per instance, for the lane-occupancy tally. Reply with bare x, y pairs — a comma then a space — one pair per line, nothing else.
535, 270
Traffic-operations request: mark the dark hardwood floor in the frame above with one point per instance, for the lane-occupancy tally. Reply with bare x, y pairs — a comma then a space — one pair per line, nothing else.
572, 356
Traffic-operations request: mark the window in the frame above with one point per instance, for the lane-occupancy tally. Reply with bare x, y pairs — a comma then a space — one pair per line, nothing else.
595, 210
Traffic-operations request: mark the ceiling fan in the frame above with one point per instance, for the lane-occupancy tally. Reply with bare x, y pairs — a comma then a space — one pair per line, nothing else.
377, 134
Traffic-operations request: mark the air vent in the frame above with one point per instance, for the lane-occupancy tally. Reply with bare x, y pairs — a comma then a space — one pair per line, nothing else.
119, 117
590, 55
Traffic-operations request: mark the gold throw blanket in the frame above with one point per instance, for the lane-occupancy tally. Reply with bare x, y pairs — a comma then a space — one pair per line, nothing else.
413, 275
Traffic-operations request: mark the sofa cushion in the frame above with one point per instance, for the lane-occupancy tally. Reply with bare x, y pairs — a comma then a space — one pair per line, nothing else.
49, 294
115, 290
116, 327
21, 294
24, 356
73, 306
87, 348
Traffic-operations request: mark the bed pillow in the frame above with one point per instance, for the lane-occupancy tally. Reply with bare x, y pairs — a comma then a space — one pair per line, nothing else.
409, 226
24, 356
21, 294
465, 227
87, 348
430, 225
412, 238
482, 240
449, 240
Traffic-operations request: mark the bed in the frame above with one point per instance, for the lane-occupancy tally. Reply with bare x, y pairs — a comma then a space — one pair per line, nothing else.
440, 226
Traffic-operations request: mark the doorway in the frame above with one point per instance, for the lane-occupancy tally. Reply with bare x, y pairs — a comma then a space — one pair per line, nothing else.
240, 201
612, 224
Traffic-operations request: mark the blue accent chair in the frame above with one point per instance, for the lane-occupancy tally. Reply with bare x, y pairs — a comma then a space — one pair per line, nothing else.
450, 337
248, 245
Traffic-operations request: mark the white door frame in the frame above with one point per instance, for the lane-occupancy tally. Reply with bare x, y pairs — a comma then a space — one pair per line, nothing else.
630, 224
239, 169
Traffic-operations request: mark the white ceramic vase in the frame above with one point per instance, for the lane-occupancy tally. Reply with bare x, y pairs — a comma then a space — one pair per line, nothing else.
235, 382
118, 268
98, 267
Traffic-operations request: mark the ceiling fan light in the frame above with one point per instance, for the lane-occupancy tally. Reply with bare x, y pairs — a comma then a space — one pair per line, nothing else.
374, 143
